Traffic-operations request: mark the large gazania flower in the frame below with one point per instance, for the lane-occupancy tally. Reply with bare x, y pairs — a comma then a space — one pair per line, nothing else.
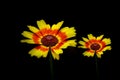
95, 45
49, 38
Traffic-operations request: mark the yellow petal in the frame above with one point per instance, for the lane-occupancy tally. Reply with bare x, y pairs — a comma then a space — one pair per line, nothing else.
85, 39
99, 54
42, 25
107, 48
70, 32
107, 41
100, 37
35, 52
90, 36
57, 26
82, 43
69, 43
58, 51
29, 41
55, 56
86, 53
33, 29
82, 47
38, 52
45, 53
27, 34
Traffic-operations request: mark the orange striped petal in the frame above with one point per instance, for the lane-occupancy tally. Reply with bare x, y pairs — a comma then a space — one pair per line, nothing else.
39, 51
88, 54
61, 36
107, 48
69, 32
37, 39
65, 44
107, 41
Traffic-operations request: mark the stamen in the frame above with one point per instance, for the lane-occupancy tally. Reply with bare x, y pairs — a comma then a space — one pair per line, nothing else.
95, 46
49, 40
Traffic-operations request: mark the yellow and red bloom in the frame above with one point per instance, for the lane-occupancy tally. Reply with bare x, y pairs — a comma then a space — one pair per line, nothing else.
49, 38
95, 45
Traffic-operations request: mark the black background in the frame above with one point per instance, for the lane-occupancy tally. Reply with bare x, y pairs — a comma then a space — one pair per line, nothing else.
72, 64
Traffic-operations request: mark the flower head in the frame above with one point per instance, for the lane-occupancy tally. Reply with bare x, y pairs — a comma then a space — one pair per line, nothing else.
95, 45
49, 38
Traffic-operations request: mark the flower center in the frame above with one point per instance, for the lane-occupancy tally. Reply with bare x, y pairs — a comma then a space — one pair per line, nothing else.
95, 46
49, 40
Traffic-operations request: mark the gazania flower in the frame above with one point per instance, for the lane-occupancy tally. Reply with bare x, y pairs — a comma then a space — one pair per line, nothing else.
95, 45
49, 38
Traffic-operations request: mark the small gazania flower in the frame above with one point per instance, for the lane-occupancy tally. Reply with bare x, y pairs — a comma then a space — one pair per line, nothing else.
95, 45
49, 38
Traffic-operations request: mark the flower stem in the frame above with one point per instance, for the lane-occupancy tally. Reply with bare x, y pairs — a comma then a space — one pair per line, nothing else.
97, 69
51, 66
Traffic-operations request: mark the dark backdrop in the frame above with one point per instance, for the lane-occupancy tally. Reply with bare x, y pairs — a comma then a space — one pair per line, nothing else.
72, 64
